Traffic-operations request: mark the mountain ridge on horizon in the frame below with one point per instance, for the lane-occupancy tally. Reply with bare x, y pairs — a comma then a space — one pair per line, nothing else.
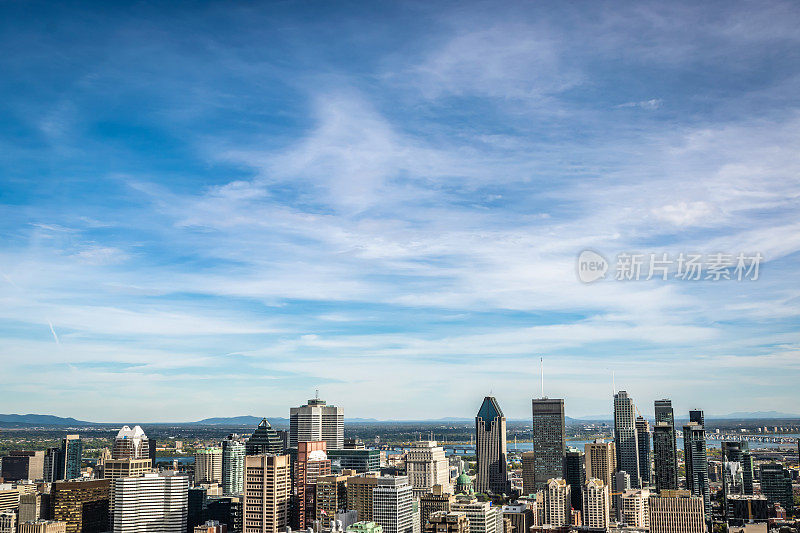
33, 420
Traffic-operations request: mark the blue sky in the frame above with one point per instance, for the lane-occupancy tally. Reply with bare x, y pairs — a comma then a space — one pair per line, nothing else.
212, 209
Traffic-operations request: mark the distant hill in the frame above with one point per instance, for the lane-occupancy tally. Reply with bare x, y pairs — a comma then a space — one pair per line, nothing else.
241, 421
40, 420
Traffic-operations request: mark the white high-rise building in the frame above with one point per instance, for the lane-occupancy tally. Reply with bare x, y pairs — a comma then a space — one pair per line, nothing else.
152, 502
483, 516
426, 466
131, 444
208, 466
557, 507
317, 421
634, 509
233, 452
596, 504
392, 504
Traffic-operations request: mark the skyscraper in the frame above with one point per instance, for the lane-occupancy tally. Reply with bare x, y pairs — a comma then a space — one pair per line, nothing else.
643, 437
359, 495
574, 476
776, 485
264, 440
317, 421
233, 453
601, 461
426, 466
312, 463
208, 466
596, 505
267, 492
392, 503
665, 454
696, 461
83, 505
331, 499
557, 506
548, 440
675, 511
528, 477
625, 437
153, 502
71, 455
52, 464
747, 472
130, 444
490, 448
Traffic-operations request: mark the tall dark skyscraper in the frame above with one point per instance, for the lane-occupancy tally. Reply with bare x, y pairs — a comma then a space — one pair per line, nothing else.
696, 460
776, 484
548, 441
490, 448
625, 437
747, 472
643, 437
575, 476
665, 451
264, 440
71, 455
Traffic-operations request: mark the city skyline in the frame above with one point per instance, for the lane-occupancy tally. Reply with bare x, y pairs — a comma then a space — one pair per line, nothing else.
375, 201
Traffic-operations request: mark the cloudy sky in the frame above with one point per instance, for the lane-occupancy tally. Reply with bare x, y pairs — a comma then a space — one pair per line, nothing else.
214, 209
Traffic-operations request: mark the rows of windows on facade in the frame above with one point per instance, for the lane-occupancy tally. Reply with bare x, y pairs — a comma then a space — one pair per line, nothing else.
311, 478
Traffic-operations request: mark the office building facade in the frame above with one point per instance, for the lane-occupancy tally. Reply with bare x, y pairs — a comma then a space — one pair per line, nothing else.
490, 448
317, 421
625, 437
549, 440
267, 494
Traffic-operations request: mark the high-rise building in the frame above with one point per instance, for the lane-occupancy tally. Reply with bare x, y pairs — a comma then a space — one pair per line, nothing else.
317, 421
34, 506
528, 477
574, 475
71, 455
312, 463
776, 485
208, 466
436, 500
233, 453
392, 504
676, 511
359, 495
522, 514
20, 465
152, 502
601, 461
665, 453
643, 442
557, 503
82, 504
621, 484
446, 522
8, 522
359, 459
596, 505
331, 498
426, 466
548, 440
696, 462
267, 493
490, 448
130, 444
9, 497
747, 473
52, 462
634, 509
483, 516
265, 440
625, 437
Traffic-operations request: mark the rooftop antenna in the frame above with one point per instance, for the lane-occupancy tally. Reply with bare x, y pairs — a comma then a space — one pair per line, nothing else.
541, 373
317, 392
613, 384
